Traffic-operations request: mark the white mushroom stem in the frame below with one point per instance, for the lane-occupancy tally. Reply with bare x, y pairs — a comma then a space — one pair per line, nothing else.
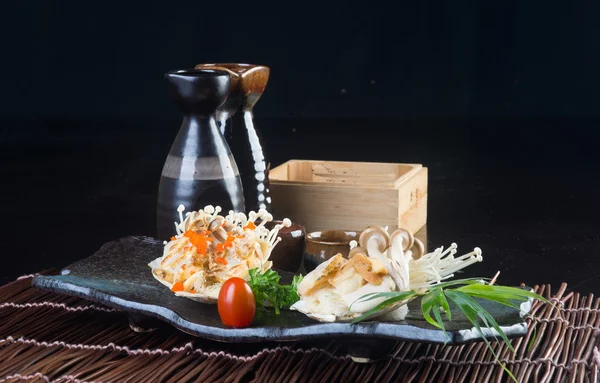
353, 302
179, 227
252, 216
439, 265
409, 238
241, 219
230, 217
180, 210
373, 245
275, 230
266, 217
235, 219
399, 263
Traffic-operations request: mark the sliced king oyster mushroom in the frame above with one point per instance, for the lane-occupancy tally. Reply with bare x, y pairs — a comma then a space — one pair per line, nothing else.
331, 291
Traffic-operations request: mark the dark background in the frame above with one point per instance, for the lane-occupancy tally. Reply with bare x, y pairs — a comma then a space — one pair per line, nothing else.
499, 100
426, 58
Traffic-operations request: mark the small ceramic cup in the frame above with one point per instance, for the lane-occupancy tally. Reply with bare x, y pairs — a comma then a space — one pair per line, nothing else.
287, 254
322, 245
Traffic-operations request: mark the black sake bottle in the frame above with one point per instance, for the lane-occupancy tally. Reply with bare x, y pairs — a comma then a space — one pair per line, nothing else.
200, 169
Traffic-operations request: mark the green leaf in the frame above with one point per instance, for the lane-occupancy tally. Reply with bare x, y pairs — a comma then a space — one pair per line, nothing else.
428, 302
455, 282
432, 302
474, 313
438, 317
371, 296
444, 303
489, 346
501, 292
499, 298
398, 297
533, 337
462, 300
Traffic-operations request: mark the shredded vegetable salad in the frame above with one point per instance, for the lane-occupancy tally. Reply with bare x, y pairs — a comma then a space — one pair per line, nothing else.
209, 248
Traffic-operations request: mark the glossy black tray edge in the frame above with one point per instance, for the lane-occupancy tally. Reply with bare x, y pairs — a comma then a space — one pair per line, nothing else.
70, 284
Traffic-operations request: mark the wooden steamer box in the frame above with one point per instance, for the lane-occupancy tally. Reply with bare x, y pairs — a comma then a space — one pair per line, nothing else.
325, 195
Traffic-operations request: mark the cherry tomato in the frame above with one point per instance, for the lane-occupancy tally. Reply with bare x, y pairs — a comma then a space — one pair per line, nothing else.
236, 303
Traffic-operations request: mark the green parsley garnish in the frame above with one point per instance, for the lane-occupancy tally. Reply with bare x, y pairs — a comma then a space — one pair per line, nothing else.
268, 292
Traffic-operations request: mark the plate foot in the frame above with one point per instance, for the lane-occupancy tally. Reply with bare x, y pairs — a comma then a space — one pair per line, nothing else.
142, 324
368, 350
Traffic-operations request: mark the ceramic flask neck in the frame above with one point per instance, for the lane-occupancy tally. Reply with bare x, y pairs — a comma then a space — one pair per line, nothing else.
198, 92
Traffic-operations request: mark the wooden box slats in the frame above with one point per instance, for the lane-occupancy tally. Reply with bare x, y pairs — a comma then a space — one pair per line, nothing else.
350, 195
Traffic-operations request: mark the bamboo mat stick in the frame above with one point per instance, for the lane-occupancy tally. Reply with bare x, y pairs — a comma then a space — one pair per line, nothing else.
47, 337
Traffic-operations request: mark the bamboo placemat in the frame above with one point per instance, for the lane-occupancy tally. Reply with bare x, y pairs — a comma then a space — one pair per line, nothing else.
47, 337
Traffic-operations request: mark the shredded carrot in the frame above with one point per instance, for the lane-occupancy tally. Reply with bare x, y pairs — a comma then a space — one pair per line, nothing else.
192, 291
227, 244
221, 260
230, 239
250, 226
199, 240
177, 286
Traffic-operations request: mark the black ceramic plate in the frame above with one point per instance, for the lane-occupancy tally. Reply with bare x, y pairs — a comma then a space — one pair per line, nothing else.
118, 276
